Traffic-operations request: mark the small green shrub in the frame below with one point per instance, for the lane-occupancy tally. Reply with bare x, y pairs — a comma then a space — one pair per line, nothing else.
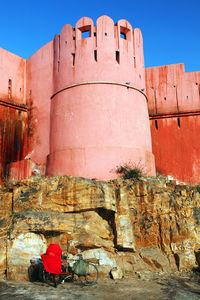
198, 188
129, 171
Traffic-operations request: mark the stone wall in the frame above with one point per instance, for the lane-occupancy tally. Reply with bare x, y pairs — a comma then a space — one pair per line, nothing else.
147, 225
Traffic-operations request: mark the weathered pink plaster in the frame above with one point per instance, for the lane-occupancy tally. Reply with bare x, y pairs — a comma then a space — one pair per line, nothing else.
98, 122
39, 88
13, 77
174, 108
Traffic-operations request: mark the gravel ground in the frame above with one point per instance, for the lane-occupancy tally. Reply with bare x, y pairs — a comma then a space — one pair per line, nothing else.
177, 286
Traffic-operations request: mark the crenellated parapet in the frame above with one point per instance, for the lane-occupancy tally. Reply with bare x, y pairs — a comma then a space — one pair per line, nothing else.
171, 90
105, 52
174, 108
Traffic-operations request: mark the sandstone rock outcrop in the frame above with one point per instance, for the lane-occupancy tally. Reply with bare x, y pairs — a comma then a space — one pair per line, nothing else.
127, 225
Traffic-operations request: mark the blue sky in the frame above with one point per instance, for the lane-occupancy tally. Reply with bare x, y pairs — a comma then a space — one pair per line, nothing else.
170, 28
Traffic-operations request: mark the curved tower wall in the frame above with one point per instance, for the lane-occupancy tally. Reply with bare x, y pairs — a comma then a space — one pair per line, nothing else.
97, 120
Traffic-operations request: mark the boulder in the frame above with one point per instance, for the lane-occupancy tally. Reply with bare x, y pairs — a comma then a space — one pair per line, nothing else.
20, 250
63, 194
116, 273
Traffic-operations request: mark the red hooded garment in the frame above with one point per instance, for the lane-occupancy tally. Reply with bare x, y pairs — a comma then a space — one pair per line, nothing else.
52, 259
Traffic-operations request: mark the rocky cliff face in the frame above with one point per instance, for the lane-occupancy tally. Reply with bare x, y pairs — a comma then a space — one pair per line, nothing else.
152, 224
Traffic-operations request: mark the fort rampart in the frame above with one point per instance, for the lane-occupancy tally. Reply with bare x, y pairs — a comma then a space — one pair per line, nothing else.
81, 106
174, 109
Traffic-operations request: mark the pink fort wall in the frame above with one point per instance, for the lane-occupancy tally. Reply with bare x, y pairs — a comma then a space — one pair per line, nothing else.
13, 110
97, 120
13, 77
174, 108
25, 90
39, 88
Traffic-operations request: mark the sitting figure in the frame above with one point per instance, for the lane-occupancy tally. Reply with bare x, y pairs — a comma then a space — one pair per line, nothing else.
52, 259
35, 270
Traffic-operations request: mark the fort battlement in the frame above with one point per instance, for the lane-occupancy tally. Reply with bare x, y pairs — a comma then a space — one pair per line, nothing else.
171, 90
105, 52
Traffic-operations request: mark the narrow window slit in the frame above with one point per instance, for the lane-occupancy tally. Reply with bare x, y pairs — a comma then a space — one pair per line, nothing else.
117, 57
156, 124
179, 124
73, 59
95, 55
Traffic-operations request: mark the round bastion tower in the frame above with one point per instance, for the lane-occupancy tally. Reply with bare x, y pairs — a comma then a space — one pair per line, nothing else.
99, 117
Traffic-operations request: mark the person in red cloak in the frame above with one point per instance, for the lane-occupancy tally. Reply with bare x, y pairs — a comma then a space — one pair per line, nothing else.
52, 259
